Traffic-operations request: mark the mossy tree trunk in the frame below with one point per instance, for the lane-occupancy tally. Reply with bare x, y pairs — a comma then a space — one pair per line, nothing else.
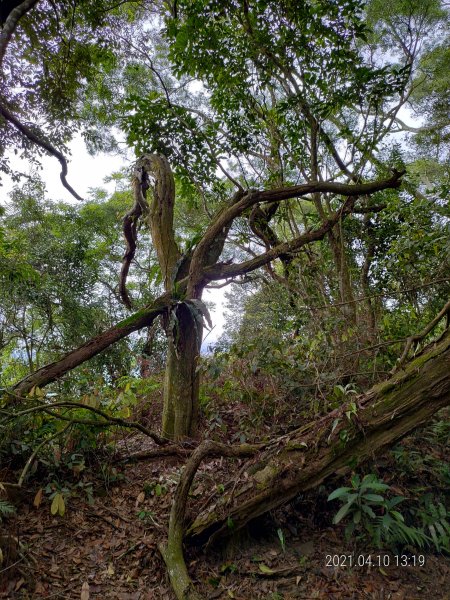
181, 382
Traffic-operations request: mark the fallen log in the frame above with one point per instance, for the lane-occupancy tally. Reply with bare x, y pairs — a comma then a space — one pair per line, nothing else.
302, 459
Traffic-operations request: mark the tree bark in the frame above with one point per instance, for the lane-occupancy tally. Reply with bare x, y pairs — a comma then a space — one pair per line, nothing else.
301, 460
181, 382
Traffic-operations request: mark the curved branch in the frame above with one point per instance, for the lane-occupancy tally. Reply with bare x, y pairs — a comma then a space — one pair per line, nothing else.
108, 419
6, 33
130, 221
26, 131
172, 552
10, 25
242, 202
284, 249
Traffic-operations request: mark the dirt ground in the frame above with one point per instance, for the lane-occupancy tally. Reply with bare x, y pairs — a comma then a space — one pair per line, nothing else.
107, 549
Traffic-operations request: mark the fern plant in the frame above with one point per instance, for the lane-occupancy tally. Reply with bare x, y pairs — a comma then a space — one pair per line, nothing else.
6, 509
436, 522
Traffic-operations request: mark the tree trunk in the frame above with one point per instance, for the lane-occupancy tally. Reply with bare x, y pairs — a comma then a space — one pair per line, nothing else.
301, 460
181, 382
343, 274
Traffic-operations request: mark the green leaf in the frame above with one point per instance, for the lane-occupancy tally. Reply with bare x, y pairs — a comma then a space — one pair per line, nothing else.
367, 509
342, 512
266, 570
373, 497
342, 491
381, 487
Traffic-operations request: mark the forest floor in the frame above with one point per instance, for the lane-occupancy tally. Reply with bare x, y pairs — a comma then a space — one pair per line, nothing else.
107, 549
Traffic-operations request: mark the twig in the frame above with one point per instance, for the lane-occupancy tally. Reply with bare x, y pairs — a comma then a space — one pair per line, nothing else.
129, 551
36, 451
387, 295
414, 340
49, 408
91, 513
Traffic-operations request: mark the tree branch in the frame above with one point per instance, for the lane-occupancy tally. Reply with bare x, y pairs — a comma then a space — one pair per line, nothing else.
129, 228
6, 33
10, 25
242, 202
26, 131
94, 346
284, 249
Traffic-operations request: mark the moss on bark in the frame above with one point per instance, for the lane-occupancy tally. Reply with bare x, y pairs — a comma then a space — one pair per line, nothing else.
181, 382
302, 459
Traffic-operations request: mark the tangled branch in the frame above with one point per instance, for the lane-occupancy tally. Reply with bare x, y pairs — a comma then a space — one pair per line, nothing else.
130, 223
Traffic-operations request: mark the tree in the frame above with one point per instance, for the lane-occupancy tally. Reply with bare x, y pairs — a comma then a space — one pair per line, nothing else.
284, 91
61, 289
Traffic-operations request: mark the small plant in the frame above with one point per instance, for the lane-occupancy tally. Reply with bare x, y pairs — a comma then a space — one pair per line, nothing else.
147, 517
154, 489
373, 515
58, 495
6, 509
358, 500
281, 538
435, 522
110, 475
342, 394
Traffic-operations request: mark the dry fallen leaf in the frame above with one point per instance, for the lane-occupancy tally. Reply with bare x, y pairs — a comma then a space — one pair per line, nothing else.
140, 498
38, 498
84, 591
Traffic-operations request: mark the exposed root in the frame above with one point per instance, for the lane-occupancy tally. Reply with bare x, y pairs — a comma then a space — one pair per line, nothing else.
172, 551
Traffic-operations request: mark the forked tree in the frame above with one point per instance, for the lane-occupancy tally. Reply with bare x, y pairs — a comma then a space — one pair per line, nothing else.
290, 98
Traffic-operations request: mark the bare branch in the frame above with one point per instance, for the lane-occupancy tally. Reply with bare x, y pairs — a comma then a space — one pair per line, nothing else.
107, 419
11, 24
242, 201
26, 131
286, 248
